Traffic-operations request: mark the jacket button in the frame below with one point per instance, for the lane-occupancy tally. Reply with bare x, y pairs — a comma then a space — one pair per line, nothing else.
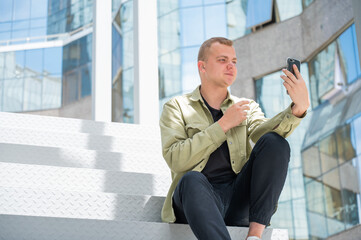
232, 162
200, 166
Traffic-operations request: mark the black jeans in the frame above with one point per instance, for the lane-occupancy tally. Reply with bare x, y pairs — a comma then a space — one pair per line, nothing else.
251, 196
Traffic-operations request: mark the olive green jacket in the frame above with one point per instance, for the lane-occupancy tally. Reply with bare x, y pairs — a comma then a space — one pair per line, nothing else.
189, 135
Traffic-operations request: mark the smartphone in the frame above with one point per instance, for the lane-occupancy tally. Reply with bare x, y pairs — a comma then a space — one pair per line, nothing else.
290, 62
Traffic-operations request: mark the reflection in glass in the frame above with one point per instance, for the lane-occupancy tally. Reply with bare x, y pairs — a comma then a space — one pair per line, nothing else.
356, 135
328, 153
236, 19
311, 162
128, 95
332, 196
6, 11
53, 60
169, 75
70, 87
13, 95
283, 217
21, 9
317, 226
190, 75
322, 74
289, 8
51, 94
166, 6
258, 12
349, 55
192, 34
169, 31
86, 80
32, 92
345, 149
315, 199
350, 188
216, 21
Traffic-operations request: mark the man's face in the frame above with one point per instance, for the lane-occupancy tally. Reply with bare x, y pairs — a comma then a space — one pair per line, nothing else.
220, 67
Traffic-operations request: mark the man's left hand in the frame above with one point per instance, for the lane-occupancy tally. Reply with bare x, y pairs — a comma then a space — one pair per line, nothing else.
297, 90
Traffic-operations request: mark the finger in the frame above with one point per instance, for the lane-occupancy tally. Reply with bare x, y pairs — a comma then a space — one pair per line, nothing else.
297, 72
243, 102
287, 86
287, 80
289, 75
245, 107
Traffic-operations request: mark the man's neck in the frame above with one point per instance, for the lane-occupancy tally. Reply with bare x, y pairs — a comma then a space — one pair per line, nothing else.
214, 95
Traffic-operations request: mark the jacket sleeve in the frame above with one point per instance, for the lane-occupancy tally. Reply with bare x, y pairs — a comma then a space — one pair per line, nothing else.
283, 123
183, 153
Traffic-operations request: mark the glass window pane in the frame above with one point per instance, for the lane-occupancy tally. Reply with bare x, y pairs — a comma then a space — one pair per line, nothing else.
169, 29
3, 37
21, 9
300, 218
311, 162
258, 12
19, 37
86, 80
328, 153
53, 58
5, 26
32, 93
38, 23
126, 16
350, 191
289, 8
297, 186
286, 191
13, 95
206, 2
317, 224
189, 3
348, 55
358, 66
21, 25
166, 6
345, 149
192, 34
51, 97
333, 198
190, 73
356, 135
322, 74
37, 34
6, 8
216, 21
34, 62
128, 93
283, 217
128, 53
71, 56
13, 65
315, 199
85, 50
236, 19
170, 83
71, 87
39, 8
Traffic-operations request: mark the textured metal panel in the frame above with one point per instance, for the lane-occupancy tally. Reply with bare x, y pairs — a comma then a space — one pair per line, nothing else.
58, 124
82, 180
85, 205
79, 140
80, 158
43, 228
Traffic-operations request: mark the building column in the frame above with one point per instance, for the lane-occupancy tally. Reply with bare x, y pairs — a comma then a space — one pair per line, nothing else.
102, 61
146, 96
356, 6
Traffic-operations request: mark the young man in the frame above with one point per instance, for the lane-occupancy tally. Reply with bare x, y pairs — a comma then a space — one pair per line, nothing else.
217, 179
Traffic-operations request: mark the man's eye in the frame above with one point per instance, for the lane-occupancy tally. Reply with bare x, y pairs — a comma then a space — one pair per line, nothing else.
234, 62
222, 59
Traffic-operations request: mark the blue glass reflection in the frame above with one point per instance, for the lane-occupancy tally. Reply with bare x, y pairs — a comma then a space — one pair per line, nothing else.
348, 54
216, 21
190, 3
86, 83
190, 75
34, 62
5, 26
53, 60
6, 10
21, 9
258, 12
116, 51
39, 8
192, 34
289, 8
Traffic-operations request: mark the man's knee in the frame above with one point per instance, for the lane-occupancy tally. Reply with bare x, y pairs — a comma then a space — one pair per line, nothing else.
276, 142
192, 179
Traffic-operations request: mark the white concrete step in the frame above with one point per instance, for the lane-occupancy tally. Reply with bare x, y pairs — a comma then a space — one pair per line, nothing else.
14, 175
58, 124
45, 228
82, 205
79, 140
140, 162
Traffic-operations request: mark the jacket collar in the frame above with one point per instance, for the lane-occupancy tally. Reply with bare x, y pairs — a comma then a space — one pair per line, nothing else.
196, 96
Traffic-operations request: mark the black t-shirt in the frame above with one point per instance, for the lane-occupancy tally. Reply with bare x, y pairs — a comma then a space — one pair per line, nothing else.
218, 167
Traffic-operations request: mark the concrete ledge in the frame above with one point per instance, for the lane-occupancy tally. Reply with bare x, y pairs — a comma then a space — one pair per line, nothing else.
44, 228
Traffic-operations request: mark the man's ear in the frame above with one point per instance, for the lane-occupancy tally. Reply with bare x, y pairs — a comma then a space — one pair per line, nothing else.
201, 66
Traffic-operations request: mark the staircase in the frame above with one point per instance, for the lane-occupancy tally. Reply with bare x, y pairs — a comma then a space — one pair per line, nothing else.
64, 178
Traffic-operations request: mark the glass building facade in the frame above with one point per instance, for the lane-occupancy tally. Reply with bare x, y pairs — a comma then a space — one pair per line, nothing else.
42, 78
322, 190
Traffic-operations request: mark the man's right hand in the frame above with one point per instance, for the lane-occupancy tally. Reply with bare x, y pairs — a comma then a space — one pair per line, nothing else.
234, 115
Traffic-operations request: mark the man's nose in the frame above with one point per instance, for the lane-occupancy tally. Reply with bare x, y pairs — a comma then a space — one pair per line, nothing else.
231, 65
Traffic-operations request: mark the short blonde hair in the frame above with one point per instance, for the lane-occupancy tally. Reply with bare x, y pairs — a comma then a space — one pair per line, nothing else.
203, 50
